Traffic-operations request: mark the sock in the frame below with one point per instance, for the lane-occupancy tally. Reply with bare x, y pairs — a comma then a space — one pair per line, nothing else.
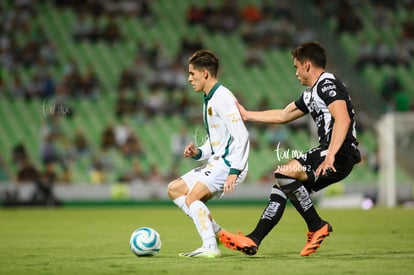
201, 218
300, 198
180, 202
271, 215
216, 226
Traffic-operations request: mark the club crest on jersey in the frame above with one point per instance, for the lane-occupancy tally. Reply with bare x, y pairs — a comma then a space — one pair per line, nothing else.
210, 111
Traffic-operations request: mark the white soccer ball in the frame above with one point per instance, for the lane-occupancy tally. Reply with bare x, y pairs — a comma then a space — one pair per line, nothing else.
145, 241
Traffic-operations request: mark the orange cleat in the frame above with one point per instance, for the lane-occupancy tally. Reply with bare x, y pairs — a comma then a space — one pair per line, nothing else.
314, 239
238, 242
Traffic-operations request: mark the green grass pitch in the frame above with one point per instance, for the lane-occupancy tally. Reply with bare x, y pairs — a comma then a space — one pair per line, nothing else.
95, 241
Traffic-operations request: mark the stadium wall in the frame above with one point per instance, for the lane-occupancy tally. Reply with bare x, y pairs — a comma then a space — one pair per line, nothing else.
143, 193
114, 192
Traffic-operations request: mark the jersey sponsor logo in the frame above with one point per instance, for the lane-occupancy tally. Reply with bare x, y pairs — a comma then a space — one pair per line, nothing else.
328, 87
210, 111
234, 117
215, 143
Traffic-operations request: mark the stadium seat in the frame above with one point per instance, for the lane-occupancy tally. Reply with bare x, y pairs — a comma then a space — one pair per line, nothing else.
276, 81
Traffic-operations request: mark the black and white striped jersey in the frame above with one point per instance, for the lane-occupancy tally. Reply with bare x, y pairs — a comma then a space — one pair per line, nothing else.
316, 100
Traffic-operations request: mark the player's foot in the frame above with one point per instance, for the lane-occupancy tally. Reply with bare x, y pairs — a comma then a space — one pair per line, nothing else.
238, 242
202, 253
314, 239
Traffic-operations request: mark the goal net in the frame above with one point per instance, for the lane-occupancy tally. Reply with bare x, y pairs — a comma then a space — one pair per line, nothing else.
396, 150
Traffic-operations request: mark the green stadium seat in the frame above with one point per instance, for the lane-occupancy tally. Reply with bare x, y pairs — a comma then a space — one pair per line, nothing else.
276, 81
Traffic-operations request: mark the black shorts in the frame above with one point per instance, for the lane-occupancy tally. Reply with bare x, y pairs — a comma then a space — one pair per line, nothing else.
345, 160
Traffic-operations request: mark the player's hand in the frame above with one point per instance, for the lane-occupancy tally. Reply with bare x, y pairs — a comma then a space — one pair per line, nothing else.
230, 184
242, 110
190, 151
326, 166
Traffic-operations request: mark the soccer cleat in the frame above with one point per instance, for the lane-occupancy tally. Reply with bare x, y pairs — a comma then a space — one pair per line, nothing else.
309, 236
238, 242
314, 239
202, 253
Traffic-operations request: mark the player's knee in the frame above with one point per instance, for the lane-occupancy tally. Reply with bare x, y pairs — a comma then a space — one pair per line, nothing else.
175, 189
283, 180
287, 184
277, 192
192, 197
170, 192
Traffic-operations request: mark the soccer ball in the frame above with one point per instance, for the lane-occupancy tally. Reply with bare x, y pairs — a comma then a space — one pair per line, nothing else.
145, 241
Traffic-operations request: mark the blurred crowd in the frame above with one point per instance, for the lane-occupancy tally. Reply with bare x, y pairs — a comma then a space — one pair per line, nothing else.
392, 47
270, 25
155, 83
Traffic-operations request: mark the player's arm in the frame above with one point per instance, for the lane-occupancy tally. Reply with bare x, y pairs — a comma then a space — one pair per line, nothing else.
340, 129
233, 121
278, 116
203, 152
198, 153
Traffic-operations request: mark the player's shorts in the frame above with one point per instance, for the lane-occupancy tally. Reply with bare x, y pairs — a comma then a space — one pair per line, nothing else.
213, 175
344, 162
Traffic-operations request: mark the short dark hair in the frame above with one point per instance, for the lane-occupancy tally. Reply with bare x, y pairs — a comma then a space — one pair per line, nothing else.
311, 51
205, 59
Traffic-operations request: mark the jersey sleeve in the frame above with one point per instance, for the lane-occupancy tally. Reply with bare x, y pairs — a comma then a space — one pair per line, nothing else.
204, 151
331, 90
231, 117
300, 103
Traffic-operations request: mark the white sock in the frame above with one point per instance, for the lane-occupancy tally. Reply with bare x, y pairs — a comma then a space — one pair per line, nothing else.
201, 217
180, 202
216, 226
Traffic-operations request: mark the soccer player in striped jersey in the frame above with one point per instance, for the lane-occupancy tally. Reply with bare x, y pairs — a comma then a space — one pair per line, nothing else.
226, 150
327, 101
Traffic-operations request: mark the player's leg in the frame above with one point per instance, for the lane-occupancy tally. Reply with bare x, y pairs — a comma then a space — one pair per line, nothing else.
272, 213
291, 178
288, 185
203, 221
270, 217
201, 187
178, 190
344, 164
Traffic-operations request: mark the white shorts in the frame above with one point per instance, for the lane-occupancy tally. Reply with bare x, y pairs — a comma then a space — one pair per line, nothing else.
213, 175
